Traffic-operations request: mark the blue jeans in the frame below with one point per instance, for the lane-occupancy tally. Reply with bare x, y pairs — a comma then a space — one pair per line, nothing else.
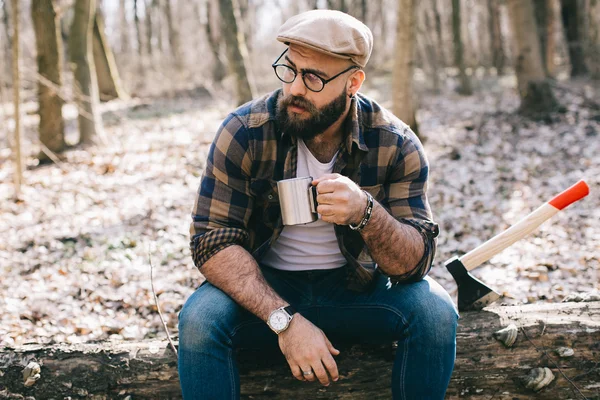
420, 316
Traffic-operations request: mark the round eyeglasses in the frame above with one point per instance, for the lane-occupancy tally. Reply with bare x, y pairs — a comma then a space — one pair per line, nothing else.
312, 81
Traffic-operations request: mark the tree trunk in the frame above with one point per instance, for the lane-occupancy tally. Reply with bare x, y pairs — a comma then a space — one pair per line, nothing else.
138, 29
237, 53
438, 33
16, 98
404, 106
546, 24
109, 81
498, 56
124, 28
174, 44
484, 368
149, 30
572, 12
594, 39
214, 40
86, 90
430, 48
464, 87
6, 23
49, 60
534, 90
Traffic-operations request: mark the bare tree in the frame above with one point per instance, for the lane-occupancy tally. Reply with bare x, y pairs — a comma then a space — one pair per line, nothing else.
498, 55
138, 29
174, 43
572, 12
546, 25
6, 23
17, 98
81, 55
237, 53
49, 60
109, 81
465, 83
594, 39
534, 90
149, 31
124, 28
213, 19
404, 106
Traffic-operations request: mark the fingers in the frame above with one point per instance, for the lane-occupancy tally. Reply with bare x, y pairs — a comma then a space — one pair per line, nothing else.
325, 177
309, 377
297, 372
332, 349
321, 374
331, 366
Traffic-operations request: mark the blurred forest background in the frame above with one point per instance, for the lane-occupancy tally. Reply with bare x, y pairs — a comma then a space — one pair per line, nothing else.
119, 100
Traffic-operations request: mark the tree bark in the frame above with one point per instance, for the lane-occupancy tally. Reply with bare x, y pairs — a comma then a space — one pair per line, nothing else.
138, 29
213, 36
123, 28
6, 23
464, 87
572, 12
109, 81
82, 57
536, 96
174, 43
498, 56
546, 24
404, 106
237, 53
149, 30
431, 48
594, 39
484, 368
18, 178
49, 48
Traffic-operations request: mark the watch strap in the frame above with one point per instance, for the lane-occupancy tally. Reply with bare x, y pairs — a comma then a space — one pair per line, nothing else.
290, 310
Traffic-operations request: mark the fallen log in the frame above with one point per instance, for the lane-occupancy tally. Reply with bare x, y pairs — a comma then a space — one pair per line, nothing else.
484, 369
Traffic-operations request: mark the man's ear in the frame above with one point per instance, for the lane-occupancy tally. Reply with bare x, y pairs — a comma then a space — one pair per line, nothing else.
355, 81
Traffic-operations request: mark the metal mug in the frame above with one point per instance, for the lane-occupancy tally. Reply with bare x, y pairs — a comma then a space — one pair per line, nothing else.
298, 200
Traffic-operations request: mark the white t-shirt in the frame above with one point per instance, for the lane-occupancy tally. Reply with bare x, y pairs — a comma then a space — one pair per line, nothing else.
308, 246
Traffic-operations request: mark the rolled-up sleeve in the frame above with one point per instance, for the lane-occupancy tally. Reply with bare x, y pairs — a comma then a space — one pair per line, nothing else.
406, 200
223, 202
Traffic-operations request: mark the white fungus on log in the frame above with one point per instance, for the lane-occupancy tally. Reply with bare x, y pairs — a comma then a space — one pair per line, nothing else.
564, 352
31, 373
538, 378
507, 335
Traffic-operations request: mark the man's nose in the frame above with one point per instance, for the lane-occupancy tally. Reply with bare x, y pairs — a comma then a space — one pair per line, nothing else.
297, 88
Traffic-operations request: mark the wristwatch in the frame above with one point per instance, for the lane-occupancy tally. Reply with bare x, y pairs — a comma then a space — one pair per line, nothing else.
280, 319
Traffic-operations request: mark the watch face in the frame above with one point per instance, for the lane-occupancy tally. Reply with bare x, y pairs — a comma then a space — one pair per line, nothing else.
278, 320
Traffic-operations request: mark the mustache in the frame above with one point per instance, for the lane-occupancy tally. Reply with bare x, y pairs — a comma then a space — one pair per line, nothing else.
291, 100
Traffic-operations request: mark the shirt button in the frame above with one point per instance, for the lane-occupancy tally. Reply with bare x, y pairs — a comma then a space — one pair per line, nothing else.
270, 197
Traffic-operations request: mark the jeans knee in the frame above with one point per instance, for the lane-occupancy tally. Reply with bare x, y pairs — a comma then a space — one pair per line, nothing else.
436, 319
203, 320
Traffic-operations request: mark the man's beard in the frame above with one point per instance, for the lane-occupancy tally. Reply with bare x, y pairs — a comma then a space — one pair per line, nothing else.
318, 120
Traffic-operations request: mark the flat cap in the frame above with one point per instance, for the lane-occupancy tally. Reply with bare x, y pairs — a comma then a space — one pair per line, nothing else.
331, 32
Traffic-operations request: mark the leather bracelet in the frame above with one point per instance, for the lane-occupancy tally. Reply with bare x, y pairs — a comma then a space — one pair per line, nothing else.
367, 216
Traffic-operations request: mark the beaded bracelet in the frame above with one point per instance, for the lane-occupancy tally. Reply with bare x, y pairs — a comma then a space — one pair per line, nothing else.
367, 216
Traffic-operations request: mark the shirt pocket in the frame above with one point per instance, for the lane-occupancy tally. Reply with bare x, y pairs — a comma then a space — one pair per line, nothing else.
265, 191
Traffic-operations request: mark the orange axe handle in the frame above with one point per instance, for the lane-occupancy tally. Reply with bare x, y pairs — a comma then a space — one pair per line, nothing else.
525, 226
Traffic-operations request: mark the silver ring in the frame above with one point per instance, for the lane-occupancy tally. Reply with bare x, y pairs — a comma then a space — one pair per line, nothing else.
307, 373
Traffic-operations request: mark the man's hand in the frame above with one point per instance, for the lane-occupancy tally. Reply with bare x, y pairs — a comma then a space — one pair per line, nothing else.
306, 348
341, 201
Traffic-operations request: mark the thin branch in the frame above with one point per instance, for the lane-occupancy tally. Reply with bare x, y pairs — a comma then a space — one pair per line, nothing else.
158, 306
52, 156
544, 352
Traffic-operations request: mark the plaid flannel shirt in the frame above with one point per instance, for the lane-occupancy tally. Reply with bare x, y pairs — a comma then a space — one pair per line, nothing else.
237, 202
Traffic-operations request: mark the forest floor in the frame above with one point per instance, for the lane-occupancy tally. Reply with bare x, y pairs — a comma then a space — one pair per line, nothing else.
74, 254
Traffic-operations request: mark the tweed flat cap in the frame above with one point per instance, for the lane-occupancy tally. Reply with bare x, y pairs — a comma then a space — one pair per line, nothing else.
330, 32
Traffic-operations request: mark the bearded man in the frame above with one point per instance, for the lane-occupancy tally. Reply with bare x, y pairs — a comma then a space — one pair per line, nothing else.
358, 273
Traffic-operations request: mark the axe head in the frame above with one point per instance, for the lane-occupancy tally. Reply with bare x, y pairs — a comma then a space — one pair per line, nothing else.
472, 293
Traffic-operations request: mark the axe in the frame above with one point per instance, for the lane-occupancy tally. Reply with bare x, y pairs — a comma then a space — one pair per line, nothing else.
474, 294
